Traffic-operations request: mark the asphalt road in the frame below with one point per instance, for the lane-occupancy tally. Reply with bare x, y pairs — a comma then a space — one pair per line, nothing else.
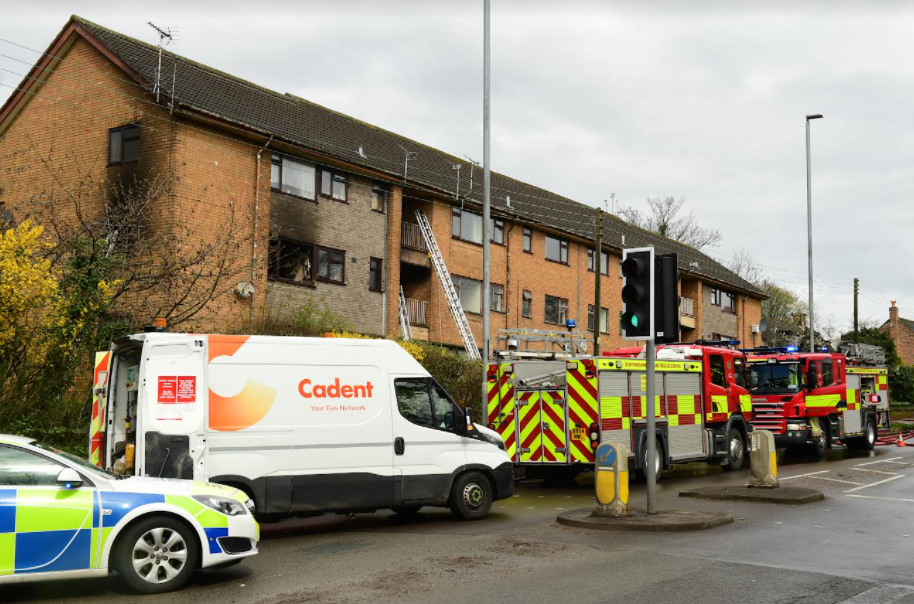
856, 546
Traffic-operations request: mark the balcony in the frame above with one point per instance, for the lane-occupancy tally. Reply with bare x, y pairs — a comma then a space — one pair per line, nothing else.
687, 312
411, 237
415, 310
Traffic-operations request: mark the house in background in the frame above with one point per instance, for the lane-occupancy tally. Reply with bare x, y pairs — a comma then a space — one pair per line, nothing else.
902, 333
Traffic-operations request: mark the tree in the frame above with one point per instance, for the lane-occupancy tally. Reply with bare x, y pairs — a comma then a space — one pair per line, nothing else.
666, 216
743, 264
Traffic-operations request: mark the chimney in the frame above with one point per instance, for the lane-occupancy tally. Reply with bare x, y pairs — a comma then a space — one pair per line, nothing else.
893, 314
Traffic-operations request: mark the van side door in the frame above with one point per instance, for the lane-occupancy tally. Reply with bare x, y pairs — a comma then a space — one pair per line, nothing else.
428, 447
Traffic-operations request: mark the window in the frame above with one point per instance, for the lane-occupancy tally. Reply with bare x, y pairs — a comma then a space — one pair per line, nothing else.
604, 262
470, 293
498, 298
413, 401
291, 261
292, 177
22, 468
123, 144
334, 185
376, 274
827, 375
466, 226
604, 318
718, 375
527, 304
497, 228
379, 199
730, 303
424, 403
528, 240
331, 265
556, 310
715, 297
556, 249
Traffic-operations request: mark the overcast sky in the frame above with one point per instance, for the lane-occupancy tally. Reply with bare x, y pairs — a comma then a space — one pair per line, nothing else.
701, 99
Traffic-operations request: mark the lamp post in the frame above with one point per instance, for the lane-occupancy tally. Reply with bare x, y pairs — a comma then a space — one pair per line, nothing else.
812, 331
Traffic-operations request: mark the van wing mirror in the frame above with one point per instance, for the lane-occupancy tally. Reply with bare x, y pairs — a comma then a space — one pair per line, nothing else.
468, 413
69, 478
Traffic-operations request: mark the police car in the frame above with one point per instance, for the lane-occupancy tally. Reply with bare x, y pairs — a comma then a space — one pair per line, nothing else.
62, 517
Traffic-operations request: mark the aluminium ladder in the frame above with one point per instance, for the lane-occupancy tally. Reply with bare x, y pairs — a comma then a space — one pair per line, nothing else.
405, 330
453, 301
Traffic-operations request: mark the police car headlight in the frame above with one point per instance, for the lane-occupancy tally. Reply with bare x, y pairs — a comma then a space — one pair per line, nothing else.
223, 505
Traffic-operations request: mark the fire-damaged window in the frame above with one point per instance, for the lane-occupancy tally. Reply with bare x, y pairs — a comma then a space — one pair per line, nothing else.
331, 265
291, 261
123, 144
556, 310
292, 177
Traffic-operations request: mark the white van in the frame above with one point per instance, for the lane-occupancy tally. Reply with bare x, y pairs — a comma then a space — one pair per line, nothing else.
302, 425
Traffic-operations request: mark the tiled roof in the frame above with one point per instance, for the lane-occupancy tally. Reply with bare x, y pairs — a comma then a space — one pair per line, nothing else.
328, 132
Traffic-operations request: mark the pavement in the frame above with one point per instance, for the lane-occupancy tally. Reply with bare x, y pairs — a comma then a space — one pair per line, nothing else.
854, 547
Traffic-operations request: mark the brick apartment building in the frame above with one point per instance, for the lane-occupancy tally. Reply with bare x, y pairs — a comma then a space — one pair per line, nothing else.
902, 333
331, 200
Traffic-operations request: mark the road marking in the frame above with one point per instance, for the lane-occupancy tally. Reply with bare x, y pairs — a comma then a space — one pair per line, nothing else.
877, 483
869, 463
883, 499
836, 480
803, 475
877, 472
881, 594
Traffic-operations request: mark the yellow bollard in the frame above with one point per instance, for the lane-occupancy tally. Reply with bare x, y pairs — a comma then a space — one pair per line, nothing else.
611, 479
763, 459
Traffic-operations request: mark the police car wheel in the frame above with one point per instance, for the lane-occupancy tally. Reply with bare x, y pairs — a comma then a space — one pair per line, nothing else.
156, 555
471, 496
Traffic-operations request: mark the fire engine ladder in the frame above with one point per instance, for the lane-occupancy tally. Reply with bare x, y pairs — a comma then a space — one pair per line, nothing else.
867, 354
453, 301
405, 330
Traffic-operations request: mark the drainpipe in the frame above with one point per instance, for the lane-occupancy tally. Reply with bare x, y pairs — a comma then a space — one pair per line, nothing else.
254, 221
387, 219
507, 293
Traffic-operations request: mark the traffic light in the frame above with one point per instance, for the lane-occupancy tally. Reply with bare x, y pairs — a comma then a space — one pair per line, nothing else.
638, 293
666, 298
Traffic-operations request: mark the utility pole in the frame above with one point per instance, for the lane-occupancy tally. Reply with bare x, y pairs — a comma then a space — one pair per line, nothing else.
486, 190
651, 427
597, 261
812, 326
856, 294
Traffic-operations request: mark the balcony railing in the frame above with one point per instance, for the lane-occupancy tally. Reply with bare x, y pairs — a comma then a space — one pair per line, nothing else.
687, 307
416, 311
411, 237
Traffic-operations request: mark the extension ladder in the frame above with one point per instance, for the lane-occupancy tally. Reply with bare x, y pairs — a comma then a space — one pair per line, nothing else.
453, 301
405, 330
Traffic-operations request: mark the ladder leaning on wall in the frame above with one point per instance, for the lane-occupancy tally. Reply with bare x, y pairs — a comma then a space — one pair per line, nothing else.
453, 300
405, 330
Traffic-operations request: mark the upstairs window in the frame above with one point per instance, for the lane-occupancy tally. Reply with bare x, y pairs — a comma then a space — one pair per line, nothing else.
556, 310
376, 274
469, 291
334, 185
498, 298
716, 297
604, 319
291, 261
331, 265
730, 303
527, 309
123, 145
293, 177
379, 199
528, 240
497, 230
556, 249
604, 262
466, 225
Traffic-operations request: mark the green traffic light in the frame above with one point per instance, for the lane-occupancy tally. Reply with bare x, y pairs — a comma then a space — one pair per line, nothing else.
634, 321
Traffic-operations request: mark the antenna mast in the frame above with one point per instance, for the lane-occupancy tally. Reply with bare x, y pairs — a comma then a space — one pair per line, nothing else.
163, 35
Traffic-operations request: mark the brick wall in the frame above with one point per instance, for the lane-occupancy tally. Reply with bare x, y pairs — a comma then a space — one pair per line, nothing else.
901, 334
351, 227
714, 319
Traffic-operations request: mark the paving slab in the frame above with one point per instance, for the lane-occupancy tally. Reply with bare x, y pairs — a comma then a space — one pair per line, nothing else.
788, 495
662, 521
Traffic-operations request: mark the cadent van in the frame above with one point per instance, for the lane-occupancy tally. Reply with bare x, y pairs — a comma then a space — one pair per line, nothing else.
302, 425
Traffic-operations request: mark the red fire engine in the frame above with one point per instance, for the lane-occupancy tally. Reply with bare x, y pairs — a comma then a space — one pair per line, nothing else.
814, 399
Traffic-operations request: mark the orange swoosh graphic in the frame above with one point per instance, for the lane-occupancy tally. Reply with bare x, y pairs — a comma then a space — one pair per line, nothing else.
231, 413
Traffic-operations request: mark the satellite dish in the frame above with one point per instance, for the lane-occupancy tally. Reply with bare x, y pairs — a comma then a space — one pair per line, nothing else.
244, 289
763, 325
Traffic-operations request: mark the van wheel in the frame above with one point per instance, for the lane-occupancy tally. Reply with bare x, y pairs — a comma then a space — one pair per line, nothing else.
471, 496
157, 554
736, 450
406, 510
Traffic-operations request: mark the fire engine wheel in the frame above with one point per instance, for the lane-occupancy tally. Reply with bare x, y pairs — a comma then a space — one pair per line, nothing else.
641, 473
471, 496
736, 450
867, 442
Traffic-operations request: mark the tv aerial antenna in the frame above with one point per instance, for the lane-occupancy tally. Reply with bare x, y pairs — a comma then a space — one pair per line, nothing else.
164, 33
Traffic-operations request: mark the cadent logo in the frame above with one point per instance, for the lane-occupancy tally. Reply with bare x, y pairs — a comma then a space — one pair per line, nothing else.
335, 390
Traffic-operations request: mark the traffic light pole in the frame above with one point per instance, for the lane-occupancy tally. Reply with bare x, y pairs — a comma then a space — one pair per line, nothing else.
650, 349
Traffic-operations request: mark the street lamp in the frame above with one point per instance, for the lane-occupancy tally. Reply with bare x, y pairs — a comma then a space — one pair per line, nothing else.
812, 337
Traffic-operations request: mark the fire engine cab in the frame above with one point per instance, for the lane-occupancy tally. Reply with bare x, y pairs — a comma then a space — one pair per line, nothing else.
552, 414
815, 399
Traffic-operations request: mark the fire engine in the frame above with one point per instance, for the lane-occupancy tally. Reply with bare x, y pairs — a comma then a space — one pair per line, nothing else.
552, 414
815, 399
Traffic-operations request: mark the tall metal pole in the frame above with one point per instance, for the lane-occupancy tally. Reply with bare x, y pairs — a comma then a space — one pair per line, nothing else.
856, 294
486, 184
598, 269
651, 430
812, 325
